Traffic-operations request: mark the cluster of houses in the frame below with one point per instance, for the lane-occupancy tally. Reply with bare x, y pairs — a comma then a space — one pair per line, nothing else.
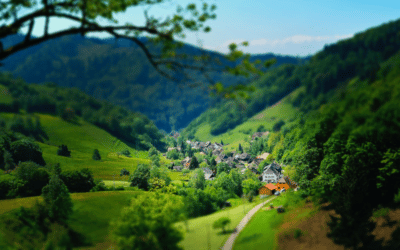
272, 175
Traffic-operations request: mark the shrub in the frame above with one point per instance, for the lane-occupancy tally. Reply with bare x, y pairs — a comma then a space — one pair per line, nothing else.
96, 155
34, 178
63, 151
297, 233
5, 187
99, 186
124, 172
140, 178
26, 150
126, 152
78, 181
278, 125
222, 223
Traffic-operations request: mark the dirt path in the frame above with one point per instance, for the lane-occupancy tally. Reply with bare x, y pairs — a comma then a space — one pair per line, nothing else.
229, 243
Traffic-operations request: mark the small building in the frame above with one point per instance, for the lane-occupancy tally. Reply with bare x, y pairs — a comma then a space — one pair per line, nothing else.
268, 189
208, 174
281, 184
263, 156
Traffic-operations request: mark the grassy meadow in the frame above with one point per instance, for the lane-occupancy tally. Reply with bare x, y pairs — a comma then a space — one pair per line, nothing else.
92, 213
82, 138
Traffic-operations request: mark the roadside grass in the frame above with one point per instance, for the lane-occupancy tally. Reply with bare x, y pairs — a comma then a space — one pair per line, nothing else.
5, 97
202, 236
261, 231
283, 110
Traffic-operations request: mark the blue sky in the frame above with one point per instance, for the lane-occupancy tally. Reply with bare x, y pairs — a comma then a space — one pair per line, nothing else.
288, 27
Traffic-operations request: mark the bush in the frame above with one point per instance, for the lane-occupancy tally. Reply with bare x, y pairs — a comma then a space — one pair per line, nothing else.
278, 125
26, 150
124, 172
140, 178
33, 177
5, 187
126, 152
78, 181
96, 155
222, 223
297, 233
63, 151
173, 154
99, 186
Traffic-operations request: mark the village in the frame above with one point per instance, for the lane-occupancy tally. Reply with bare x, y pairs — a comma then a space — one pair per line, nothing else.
271, 176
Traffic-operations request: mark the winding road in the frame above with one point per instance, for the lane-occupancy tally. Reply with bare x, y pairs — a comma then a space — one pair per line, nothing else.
229, 243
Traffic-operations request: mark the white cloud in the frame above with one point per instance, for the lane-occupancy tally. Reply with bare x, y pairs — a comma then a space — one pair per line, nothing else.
281, 45
297, 39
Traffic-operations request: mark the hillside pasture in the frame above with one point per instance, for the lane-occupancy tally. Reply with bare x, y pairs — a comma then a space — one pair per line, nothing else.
241, 134
92, 213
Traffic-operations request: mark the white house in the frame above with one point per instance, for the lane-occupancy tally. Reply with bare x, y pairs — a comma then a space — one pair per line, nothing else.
271, 173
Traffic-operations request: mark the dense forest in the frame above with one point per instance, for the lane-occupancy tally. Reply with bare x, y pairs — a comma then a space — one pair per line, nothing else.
119, 72
344, 146
327, 70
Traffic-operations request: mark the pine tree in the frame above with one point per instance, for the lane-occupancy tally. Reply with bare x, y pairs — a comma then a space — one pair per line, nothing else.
8, 160
194, 163
96, 155
240, 149
57, 200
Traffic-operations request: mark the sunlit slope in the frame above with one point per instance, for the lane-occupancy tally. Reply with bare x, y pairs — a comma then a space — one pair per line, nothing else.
81, 139
283, 110
92, 213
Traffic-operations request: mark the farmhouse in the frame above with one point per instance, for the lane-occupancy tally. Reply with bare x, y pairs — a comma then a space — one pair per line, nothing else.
268, 189
271, 173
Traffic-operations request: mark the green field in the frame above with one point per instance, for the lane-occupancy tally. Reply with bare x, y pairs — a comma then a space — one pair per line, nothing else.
5, 97
242, 133
261, 231
82, 138
92, 213
201, 235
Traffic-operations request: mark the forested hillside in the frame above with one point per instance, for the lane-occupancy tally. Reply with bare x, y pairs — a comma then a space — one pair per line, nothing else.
134, 129
343, 147
328, 70
119, 72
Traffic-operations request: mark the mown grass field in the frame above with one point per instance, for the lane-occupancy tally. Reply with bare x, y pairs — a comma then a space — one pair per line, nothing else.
202, 236
283, 110
92, 213
261, 232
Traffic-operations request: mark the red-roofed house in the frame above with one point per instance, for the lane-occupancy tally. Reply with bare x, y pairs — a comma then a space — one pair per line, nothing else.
268, 189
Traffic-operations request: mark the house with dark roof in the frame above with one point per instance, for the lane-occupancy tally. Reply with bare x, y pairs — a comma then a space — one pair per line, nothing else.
271, 173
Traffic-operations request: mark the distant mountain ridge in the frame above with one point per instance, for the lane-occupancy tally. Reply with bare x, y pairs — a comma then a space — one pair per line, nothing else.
115, 71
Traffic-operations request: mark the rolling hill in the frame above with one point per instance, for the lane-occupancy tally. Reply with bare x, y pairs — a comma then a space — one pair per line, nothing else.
118, 71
